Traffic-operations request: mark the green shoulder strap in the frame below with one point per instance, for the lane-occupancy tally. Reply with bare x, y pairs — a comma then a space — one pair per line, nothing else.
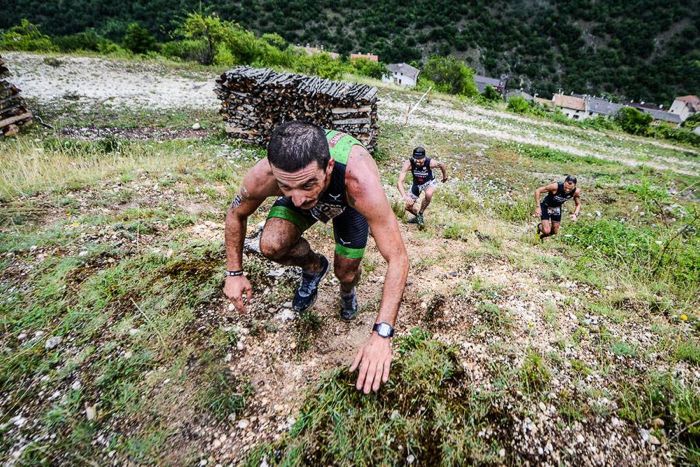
340, 145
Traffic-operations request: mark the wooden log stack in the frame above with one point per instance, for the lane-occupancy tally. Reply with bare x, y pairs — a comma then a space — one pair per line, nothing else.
13, 111
254, 100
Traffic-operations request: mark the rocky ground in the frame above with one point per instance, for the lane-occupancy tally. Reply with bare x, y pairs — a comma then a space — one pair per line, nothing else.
115, 332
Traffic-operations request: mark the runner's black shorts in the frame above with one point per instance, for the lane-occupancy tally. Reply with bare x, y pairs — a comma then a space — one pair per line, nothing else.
550, 213
350, 228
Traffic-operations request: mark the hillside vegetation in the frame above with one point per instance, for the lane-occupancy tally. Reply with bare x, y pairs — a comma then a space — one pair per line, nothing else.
642, 50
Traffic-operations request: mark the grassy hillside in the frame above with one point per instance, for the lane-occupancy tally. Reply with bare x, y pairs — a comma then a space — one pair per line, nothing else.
117, 345
643, 50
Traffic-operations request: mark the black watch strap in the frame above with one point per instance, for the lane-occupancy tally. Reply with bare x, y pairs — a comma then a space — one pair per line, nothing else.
233, 273
383, 329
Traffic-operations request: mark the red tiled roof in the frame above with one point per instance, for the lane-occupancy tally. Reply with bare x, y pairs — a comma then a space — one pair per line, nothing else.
570, 102
692, 101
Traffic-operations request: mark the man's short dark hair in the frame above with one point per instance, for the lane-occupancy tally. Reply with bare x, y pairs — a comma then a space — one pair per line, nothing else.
570, 178
294, 145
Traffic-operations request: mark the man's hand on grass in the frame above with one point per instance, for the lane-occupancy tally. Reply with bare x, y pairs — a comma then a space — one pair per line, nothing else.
373, 361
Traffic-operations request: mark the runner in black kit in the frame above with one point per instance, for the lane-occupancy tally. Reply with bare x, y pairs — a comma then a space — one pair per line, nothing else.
549, 210
327, 176
421, 168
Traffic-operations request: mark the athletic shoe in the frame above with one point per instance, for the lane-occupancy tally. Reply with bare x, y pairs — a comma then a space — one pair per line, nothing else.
305, 295
413, 220
348, 309
420, 220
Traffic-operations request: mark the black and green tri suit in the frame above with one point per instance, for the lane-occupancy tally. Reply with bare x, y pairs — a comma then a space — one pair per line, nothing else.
552, 203
350, 228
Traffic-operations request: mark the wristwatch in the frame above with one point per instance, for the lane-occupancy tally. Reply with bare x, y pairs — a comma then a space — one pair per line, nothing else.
383, 329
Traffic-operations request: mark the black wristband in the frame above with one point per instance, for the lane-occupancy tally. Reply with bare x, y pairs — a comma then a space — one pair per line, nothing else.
233, 273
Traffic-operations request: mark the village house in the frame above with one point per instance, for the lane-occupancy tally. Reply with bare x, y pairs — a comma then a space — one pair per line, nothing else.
580, 107
657, 112
597, 106
402, 74
572, 106
367, 56
663, 116
685, 106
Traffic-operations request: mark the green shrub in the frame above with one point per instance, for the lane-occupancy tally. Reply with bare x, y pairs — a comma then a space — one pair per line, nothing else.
208, 30
681, 135
518, 104
195, 50
138, 39
320, 65
86, 40
365, 67
450, 75
26, 36
692, 122
491, 94
633, 121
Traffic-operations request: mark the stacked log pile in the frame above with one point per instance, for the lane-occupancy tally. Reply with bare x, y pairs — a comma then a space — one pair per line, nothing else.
13, 112
254, 100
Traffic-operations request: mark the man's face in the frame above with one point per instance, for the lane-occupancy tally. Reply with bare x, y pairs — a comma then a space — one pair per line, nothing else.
304, 186
569, 186
419, 162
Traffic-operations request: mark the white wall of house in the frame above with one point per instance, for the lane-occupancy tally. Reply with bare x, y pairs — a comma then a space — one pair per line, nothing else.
681, 109
400, 79
575, 114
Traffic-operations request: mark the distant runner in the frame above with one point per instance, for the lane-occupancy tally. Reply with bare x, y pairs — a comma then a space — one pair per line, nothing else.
328, 176
549, 210
421, 168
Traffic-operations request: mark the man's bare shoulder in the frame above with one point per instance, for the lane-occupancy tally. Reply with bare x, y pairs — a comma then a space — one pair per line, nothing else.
361, 176
259, 182
360, 164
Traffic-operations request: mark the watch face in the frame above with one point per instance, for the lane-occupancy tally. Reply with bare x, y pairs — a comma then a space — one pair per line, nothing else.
383, 329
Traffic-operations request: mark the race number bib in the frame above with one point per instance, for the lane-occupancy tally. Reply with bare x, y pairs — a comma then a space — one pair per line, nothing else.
326, 211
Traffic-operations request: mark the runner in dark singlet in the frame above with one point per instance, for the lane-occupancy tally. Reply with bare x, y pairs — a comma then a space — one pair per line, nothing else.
549, 209
324, 176
421, 168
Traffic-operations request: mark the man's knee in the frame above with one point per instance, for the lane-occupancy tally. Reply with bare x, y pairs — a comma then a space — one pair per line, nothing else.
546, 229
555, 229
272, 244
272, 249
346, 271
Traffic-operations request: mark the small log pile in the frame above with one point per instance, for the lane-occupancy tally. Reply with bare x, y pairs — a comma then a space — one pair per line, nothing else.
13, 112
254, 100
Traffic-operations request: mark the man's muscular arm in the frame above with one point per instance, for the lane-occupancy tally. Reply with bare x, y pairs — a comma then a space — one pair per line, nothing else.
577, 202
402, 177
257, 185
366, 195
442, 168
